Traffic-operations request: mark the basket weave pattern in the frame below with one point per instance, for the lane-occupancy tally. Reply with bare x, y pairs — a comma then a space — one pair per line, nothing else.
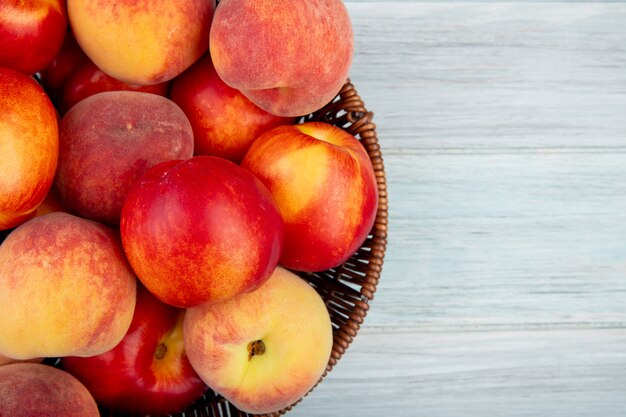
348, 288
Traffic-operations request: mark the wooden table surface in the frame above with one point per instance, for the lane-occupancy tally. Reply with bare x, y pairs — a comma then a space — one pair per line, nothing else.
503, 129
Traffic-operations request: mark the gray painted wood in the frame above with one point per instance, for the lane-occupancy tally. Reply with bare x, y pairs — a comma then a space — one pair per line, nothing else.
503, 128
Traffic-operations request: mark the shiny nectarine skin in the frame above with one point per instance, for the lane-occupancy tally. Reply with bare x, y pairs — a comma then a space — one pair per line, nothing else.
31, 33
87, 79
200, 230
325, 188
148, 371
224, 121
29, 146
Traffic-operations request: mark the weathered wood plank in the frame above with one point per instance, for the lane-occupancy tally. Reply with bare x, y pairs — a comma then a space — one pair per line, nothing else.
522, 373
503, 131
505, 238
490, 75
504, 136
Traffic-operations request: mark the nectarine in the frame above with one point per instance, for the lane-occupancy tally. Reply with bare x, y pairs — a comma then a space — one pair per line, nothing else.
324, 185
29, 146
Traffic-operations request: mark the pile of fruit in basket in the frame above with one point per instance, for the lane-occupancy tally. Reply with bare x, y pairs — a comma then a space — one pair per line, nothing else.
158, 187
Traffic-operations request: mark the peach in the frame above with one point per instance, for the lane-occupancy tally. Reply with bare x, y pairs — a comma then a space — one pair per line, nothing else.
29, 146
31, 33
200, 231
262, 350
29, 389
325, 188
141, 41
300, 56
224, 121
65, 288
108, 140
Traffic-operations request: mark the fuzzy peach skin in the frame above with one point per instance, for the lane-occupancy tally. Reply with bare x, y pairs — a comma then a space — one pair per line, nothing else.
224, 121
262, 350
29, 146
324, 185
108, 140
288, 57
31, 33
29, 389
65, 289
200, 231
142, 41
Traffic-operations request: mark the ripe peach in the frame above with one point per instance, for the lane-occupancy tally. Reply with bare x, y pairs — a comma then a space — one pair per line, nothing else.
224, 121
265, 349
200, 230
108, 140
65, 288
142, 42
324, 185
29, 389
29, 146
300, 56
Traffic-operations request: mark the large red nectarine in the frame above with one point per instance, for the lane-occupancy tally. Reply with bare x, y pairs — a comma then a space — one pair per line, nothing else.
200, 230
31, 33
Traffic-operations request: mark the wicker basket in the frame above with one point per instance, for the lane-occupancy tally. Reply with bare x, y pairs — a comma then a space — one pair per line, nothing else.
348, 288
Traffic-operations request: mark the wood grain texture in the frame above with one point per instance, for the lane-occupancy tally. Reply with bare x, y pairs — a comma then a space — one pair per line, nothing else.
503, 129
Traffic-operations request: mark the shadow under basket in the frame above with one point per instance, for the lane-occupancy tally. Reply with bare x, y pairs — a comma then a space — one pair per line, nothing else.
348, 288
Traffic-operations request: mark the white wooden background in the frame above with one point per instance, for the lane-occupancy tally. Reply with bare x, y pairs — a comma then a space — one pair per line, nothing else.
503, 127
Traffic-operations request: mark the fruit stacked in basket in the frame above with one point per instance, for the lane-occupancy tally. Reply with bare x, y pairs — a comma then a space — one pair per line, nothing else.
192, 205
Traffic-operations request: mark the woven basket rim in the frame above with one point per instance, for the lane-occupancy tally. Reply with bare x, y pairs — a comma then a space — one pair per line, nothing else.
347, 111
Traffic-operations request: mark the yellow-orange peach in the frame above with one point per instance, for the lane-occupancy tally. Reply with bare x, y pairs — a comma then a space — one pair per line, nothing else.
29, 146
265, 349
141, 41
30, 389
65, 288
288, 57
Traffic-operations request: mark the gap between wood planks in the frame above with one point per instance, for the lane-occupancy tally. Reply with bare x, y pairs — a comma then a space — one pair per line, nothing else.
529, 150
492, 327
